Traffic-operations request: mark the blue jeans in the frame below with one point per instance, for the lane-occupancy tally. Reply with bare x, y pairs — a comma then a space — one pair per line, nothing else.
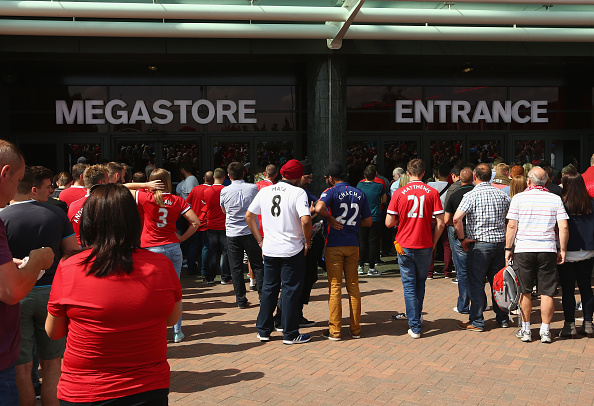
460, 257
174, 253
485, 259
197, 245
9, 394
291, 272
414, 267
235, 248
217, 244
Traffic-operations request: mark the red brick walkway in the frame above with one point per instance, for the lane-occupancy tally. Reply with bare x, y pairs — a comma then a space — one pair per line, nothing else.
222, 362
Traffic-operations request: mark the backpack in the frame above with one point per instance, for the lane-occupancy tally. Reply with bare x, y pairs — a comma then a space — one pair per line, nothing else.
506, 289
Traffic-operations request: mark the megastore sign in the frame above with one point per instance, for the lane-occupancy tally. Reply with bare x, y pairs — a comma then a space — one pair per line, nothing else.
161, 112
454, 111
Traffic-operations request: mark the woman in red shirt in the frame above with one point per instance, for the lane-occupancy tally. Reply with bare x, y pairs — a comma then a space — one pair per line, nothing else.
161, 210
115, 300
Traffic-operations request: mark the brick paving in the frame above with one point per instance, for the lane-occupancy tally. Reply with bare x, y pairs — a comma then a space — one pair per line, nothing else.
222, 362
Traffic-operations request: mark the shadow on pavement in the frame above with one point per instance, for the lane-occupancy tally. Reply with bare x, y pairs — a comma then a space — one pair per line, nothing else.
202, 349
190, 381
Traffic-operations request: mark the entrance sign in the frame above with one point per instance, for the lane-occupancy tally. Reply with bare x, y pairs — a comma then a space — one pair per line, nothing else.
163, 112
454, 111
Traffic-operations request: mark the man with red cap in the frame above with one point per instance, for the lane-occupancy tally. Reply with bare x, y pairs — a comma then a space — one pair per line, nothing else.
286, 221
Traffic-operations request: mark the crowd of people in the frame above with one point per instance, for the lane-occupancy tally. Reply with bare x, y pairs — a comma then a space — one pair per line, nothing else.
96, 254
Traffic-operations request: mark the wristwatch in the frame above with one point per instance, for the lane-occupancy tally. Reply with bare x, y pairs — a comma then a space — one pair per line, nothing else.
461, 239
508, 249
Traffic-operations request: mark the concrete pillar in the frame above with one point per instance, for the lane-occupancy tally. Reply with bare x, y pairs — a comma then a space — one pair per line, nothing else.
326, 116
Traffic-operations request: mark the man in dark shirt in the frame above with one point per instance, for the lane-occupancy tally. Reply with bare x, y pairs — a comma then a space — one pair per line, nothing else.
552, 186
15, 282
459, 255
30, 225
346, 209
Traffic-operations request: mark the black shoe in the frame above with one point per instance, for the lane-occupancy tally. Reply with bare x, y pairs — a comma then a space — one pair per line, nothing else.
253, 288
306, 323
455, 280
243, 305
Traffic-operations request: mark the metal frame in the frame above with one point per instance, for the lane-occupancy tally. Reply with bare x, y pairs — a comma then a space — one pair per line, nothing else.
395, 21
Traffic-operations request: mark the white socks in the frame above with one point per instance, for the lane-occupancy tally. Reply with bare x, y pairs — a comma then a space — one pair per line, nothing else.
526, 325
252, 282
544, 328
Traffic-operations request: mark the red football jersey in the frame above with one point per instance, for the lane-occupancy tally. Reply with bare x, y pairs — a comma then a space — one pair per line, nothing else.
196, 200
261, 185
415, 204
72, 194
215, 217
74, 214
158, 227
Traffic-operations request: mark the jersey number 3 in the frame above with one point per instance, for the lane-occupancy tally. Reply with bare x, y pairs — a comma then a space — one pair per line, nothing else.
416, 211
352, 221
162, 220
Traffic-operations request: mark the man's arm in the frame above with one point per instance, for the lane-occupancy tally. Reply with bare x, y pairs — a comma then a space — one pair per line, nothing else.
69, 244
391, 220
306, 226
510, 237
384, 199
16, 283
252, 221
447, 218
563, 238
438, 229
459, 226
367, 222
322, 211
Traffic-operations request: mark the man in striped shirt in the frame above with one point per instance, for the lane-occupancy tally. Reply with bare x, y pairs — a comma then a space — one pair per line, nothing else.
485, 208
532, 217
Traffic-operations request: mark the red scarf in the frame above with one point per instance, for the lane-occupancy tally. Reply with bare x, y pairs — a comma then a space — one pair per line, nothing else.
541, 188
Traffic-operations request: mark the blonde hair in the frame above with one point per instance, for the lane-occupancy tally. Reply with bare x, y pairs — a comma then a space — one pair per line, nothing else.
404, 179
163, 176
517, 185
527, 168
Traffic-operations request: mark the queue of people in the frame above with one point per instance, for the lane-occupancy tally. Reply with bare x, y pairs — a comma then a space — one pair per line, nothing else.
112, 258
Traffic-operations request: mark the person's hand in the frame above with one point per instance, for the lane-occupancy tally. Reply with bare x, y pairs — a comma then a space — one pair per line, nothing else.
560, 257
17, 262
179, 237
335, 224
155, 185
305, 249
42, 257
466, 244
509, 255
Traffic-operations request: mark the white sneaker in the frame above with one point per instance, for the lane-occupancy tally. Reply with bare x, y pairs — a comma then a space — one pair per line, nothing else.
413, 335
545, 337
361, 270
373, 272
456, 309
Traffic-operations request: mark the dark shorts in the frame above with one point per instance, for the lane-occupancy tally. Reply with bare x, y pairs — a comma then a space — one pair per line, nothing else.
33, 315
540, 266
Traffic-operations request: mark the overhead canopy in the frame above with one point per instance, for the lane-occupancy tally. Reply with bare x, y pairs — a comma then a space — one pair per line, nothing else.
459, 20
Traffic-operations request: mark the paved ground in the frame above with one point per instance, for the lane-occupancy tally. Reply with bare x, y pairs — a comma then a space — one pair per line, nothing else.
222, 362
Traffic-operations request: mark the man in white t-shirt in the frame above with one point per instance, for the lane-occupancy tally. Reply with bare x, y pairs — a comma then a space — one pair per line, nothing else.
286, 221
533, 215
